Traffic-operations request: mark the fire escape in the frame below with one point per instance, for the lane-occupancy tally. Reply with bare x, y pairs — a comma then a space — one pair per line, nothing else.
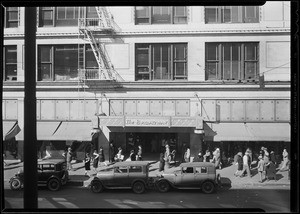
94, 30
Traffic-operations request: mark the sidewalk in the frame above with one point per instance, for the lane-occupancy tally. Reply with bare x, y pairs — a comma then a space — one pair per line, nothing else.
77, 177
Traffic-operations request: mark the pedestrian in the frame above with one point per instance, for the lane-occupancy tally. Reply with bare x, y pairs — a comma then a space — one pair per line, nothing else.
167, 151
216, 158
48, 155
285, 161
139, 153
101, 156
167, 162
163, 144
119, 156
272, 157
187, 155
239, 163
87, 164
172, 155
246, 167
161, 162
206, 156
68, 155
132, 156
199, 158
111, 152
260, 168
183, 149
95, 160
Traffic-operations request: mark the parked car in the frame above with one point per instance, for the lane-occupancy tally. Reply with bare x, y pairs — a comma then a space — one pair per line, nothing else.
123, 175
194, 175
51, 173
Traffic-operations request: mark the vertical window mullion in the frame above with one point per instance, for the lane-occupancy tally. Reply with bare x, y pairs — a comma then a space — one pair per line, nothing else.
52, 63
171, 70
243, 60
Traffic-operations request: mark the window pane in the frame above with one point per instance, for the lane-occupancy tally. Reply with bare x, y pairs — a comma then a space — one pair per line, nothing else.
70, 12
250, 52
179, 11
211, 70
179, 69
235, 61
142, 12
13, 15
11, 54
90, 59
161, 15
45, 72
211, 15
251, 14
250, 11
226, 14
235, 14
250, 70
179, 52
45, 54
60, 12
212, 52
227, 61
11, 72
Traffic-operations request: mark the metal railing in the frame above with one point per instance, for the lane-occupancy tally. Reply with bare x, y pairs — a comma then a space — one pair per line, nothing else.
93, 24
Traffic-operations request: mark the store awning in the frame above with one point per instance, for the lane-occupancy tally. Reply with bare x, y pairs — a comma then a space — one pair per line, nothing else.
79, 131
10, 129
248, 132
44, 130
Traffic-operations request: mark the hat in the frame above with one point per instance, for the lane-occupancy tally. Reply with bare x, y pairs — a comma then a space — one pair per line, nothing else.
240, 153
260, 157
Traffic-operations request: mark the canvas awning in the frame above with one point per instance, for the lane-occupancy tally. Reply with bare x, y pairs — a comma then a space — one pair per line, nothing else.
248, 132
44, 130
10, 129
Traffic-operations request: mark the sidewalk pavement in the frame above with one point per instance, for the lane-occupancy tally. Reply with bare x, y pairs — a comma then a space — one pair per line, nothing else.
78, 178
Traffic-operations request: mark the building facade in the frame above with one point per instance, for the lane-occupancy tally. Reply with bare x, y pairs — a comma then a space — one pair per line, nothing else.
204, 76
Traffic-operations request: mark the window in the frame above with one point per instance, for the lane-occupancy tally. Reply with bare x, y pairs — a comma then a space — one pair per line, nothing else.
10, 63
187, 170
59, 16
201, 170
231, 14
60, 62
134, 169
120, 169
11, 17
231, 61
161, 61
161, 15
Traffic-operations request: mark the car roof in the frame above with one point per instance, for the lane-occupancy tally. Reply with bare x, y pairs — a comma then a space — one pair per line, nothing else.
51, 161
192, 164
132, 163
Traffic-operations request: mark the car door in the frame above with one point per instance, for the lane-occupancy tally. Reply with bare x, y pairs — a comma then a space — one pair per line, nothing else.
186, 177
201, 174
121, 177
135, 172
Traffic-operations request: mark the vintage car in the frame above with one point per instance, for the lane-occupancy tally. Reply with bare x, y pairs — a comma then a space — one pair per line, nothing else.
195, 175
123, 175
51, 173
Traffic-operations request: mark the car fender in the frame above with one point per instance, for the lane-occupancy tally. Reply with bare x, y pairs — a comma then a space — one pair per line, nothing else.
160, 179
16, 177
97, 180
212, 181
54, 177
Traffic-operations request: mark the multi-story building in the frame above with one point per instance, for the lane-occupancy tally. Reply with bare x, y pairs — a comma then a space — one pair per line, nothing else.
204, 76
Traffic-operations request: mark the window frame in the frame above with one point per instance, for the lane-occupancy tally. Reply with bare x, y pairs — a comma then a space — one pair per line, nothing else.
9, 10
6, 64
241, 16
149, 68
242, 61
150, 21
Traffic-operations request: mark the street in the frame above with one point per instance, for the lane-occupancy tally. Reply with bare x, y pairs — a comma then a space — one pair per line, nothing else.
270, 200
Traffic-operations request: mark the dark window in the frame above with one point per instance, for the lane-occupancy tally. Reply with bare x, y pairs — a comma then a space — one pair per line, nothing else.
60, 62
134, 169
232, 14
161, 15
187, 170
161, 61
231, 61
46, 16
10, 63
11, 17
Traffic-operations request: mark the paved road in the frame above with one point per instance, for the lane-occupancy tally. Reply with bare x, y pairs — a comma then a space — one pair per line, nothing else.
270, 200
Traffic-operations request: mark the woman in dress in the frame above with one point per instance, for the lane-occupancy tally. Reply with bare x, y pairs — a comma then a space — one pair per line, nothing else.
95, 160
87, 164
139, 153
285, 156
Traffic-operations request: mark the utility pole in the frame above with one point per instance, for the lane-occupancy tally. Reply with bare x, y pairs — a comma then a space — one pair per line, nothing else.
30, 147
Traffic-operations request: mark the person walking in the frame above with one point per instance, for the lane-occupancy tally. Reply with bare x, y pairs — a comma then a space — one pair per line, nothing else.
68, 157
119, 156
167, 151
101, 156
216, 158
161, 162
285, 162
95, 160
139, 153
87, 164
246, 167
187, 155
111, 152
260, 168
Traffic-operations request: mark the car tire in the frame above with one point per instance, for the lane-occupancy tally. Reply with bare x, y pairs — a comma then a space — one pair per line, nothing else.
138, 187
163, 186
96, 187
208, 187
53, 184
15, 184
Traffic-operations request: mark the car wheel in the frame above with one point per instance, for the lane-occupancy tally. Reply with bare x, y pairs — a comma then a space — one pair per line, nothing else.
15, 184
208, 187
96, 187
138, 187
163, 186
53, 184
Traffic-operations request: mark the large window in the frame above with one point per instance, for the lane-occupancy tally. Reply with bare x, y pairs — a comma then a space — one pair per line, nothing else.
161, 15
59, 16
11, 17
231, 61
161, 61
10, 63
60, 62
231, 14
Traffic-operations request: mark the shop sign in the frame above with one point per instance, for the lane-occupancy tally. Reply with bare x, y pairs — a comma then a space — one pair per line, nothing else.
152, 122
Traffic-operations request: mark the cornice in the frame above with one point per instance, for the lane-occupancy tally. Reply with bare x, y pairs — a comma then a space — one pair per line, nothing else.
158, 32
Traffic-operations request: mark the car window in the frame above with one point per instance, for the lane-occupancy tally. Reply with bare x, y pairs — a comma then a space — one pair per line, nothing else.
135, 169
201, 170
187, 169
120, 169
